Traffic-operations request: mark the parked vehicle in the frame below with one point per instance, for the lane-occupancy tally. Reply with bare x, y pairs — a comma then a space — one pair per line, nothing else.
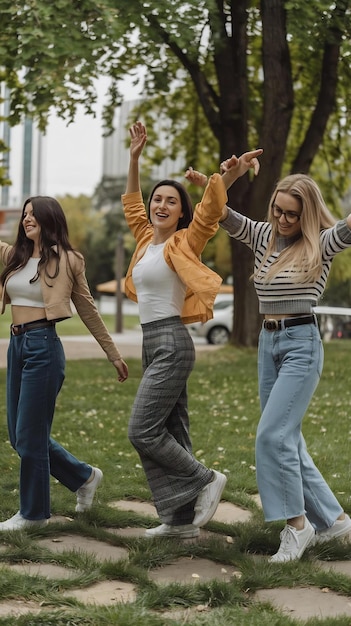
217, 330
334, 322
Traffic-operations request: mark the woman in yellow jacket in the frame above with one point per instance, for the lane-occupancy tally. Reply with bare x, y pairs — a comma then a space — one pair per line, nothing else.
172, 288
42, 274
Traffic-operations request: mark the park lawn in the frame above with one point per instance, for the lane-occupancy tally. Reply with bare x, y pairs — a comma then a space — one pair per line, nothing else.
91, 420
73, 325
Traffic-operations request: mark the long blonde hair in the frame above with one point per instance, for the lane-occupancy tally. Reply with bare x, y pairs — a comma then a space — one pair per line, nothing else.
303, 257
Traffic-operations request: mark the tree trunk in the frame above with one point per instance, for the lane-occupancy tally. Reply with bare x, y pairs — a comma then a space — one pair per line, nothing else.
246, 317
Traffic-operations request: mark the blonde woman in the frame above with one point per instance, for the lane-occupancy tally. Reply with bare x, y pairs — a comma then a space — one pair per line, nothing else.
293, 253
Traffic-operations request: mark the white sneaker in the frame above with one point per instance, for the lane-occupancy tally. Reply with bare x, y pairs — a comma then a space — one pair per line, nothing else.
86, 493
18, 522
340, 528
293, 543
208, 499
188, 531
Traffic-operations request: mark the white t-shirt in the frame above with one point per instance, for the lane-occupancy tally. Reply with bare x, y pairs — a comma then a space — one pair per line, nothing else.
160, 291
21, 291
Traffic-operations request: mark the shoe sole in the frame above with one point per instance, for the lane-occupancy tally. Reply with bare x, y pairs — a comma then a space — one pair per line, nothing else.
190, 534
211, 511
39, 524
341, 535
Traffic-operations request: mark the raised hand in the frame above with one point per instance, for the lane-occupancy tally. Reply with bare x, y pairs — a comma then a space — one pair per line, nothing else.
243, 163
138, 139
234, 167
195, 177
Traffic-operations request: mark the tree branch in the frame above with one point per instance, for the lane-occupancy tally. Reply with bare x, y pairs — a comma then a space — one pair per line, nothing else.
327, 93
207, 95
278, 92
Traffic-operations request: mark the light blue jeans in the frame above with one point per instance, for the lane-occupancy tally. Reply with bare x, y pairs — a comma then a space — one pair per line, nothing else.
290, 364
35, 373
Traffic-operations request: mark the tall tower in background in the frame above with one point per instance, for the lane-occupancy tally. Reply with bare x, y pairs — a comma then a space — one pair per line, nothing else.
6, 136
24, 160
116, 149
23, 164
32, 160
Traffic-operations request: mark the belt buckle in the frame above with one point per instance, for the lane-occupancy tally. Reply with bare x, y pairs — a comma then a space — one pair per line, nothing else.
271, 324
15, 330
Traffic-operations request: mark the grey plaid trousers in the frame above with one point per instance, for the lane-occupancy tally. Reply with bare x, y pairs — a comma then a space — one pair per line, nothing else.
159, 423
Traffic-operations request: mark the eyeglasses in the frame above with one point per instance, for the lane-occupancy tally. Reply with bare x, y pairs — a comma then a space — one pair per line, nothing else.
290, 216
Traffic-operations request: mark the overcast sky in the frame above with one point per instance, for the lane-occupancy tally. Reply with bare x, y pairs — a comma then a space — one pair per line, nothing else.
72, 155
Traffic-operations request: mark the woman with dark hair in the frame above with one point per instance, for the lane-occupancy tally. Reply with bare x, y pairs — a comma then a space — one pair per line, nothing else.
42, 274
185, 200
172, 288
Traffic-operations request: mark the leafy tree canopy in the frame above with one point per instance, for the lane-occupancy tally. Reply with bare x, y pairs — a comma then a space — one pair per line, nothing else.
230, 74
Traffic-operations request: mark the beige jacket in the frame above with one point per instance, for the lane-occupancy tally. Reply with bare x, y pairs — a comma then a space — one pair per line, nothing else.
182, 250
70, 285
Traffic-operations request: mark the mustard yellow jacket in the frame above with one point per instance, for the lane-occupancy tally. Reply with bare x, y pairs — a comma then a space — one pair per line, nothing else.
69, 284
182, 250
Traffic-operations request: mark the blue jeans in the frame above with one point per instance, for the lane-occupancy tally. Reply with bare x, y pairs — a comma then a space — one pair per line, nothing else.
290, 364
35, 373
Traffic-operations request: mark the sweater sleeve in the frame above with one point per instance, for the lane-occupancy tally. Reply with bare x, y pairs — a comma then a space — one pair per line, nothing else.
335, 239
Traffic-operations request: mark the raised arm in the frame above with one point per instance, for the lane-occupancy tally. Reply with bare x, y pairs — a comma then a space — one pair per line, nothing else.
138, 139
231, 169
234, 167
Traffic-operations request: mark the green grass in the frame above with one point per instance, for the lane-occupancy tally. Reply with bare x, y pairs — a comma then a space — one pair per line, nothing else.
91, 420
73, 325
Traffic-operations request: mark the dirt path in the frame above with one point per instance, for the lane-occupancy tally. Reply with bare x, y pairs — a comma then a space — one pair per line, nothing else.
85, 346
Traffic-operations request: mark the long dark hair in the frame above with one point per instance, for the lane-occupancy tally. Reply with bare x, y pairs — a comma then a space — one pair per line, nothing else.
187, 207
53, 237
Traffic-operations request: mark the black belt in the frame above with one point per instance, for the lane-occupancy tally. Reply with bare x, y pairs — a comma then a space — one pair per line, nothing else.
19, 329
288, 321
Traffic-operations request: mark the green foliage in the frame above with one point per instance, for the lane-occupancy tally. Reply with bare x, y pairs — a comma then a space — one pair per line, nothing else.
80, 218
4, 180
217, 78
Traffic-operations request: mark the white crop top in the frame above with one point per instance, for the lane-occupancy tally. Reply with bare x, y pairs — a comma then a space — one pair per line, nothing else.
160, 291
21, 291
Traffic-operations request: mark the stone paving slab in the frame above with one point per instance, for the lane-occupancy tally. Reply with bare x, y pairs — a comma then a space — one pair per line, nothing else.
105, 593
46, 570
193, 570
16, 608
99, 549
342, 567
305, 602
226, 513
300, 603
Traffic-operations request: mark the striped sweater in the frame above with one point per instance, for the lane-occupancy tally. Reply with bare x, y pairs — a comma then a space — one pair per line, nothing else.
281, 295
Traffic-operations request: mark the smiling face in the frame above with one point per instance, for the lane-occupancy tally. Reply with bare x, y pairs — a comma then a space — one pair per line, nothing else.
31, 227
166, 209
286, 210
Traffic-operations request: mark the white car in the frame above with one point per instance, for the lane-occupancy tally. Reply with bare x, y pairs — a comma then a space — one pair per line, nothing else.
218, 329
